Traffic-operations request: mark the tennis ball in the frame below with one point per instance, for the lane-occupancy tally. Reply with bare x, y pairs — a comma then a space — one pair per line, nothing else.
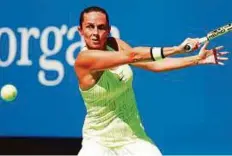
8, 92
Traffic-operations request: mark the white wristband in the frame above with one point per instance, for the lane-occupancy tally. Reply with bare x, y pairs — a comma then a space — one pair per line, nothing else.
157, 53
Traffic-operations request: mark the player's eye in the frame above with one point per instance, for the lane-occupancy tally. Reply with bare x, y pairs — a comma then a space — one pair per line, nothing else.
102, 27
90, 26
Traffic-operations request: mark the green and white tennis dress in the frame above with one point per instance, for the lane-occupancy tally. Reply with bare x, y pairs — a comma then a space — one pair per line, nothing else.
112, 122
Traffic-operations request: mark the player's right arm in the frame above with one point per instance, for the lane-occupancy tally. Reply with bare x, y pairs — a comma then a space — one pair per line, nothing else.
98, 60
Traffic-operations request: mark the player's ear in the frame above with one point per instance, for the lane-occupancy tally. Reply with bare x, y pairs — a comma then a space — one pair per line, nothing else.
80, 30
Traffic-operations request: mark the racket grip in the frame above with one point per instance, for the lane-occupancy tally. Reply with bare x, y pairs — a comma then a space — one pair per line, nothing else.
189, 47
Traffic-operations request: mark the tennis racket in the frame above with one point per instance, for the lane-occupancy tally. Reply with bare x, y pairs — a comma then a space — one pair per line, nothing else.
211, 35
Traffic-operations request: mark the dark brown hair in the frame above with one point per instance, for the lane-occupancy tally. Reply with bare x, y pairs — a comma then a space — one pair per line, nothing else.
93, 9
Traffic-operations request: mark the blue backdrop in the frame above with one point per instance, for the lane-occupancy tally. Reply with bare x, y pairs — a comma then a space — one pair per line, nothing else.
187, 111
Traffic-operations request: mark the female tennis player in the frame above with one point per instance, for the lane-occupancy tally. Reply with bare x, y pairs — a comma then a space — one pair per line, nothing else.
112, 124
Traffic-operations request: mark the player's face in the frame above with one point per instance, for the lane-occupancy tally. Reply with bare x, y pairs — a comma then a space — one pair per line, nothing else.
95, 30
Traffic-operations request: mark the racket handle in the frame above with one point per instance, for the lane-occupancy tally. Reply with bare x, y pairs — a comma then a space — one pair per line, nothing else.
189, 47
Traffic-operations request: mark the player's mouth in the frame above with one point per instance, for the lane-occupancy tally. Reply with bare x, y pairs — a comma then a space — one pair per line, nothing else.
96, 41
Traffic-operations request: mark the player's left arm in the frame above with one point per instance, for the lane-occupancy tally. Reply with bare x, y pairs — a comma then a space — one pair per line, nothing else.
204, 57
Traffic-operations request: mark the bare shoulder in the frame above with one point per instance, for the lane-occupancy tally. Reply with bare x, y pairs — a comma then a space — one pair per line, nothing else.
86, 78
118, 44
80, 60
124, 45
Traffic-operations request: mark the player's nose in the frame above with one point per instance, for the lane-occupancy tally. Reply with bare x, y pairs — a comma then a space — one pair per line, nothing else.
95, 31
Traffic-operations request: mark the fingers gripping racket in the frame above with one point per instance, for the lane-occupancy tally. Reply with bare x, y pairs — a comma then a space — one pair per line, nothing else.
211, 35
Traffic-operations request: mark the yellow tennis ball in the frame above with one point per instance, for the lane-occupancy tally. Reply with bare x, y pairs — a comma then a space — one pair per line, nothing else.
8, 92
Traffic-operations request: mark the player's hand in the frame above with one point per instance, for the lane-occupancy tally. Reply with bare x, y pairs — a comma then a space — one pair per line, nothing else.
193, 42
212, 56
